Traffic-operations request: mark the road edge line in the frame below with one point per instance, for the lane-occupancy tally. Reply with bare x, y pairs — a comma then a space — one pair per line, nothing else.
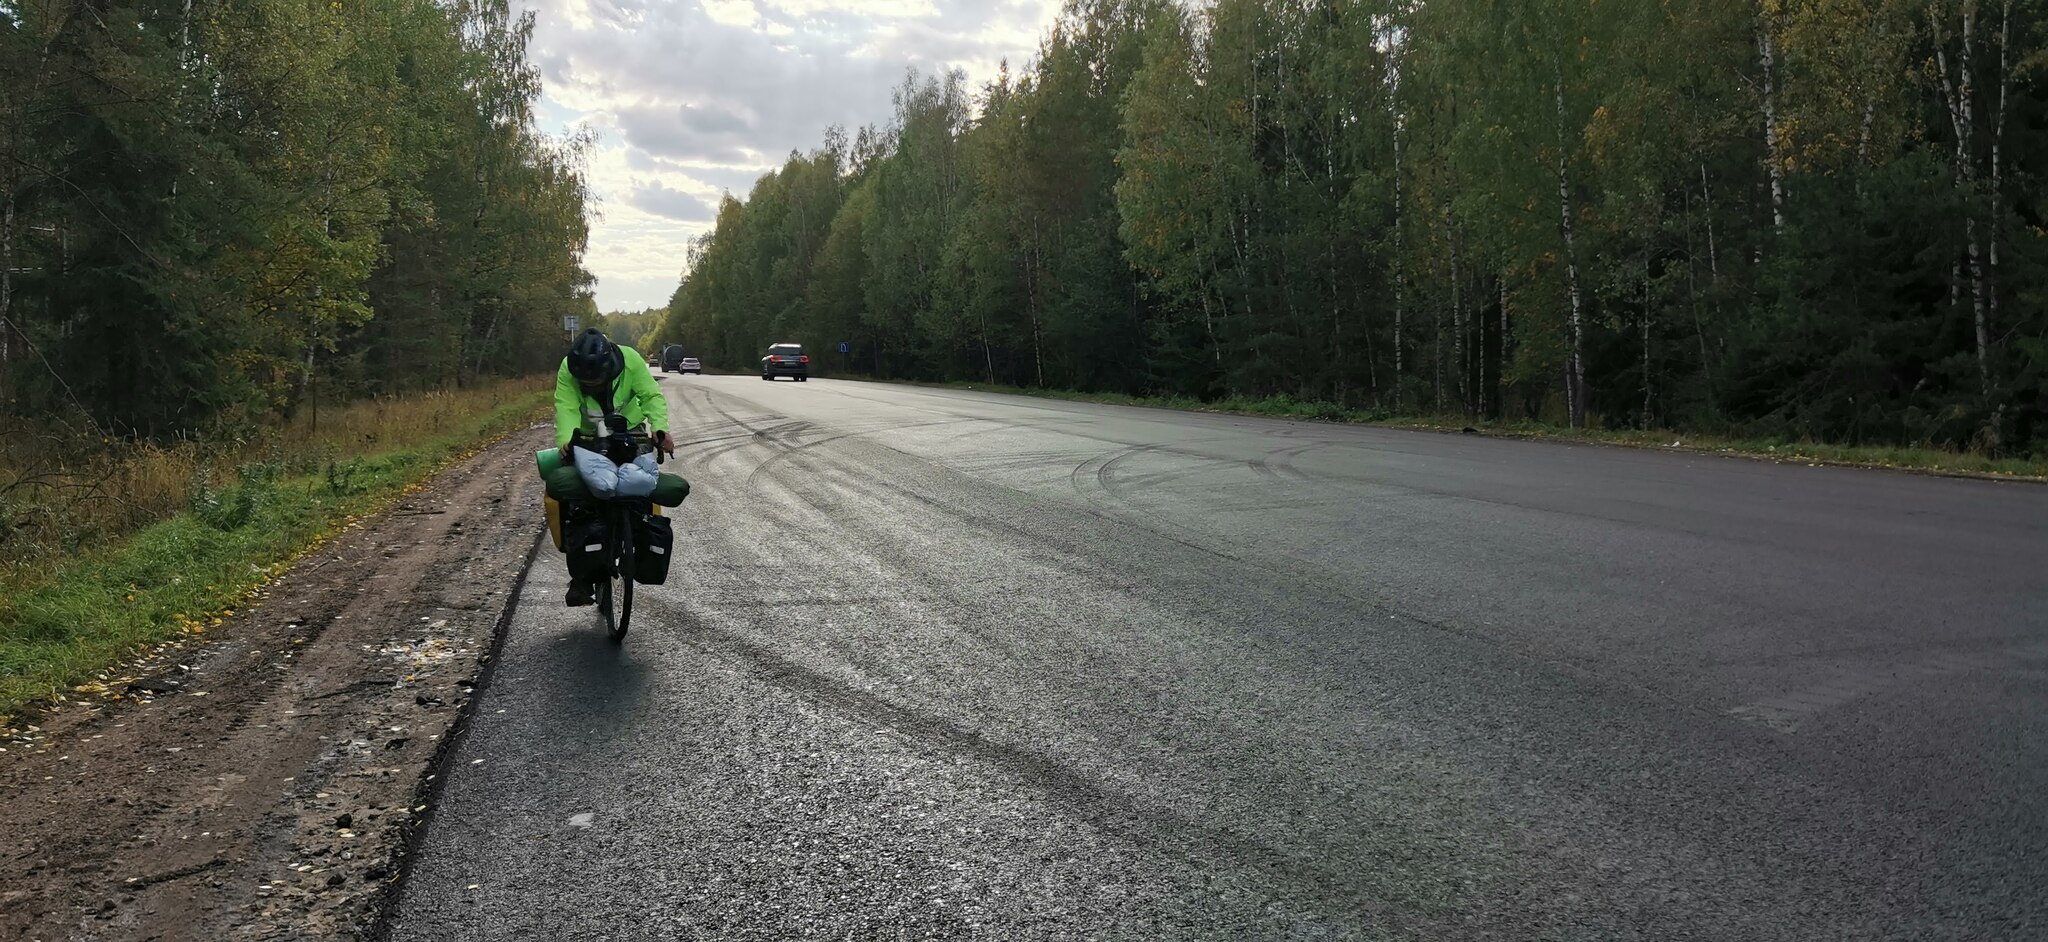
433, 778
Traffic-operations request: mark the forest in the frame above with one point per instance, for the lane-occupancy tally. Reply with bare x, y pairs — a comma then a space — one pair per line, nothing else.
214, 213
1807, 218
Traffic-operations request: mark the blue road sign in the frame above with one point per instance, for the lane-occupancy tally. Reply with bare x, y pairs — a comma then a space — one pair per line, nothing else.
845, 347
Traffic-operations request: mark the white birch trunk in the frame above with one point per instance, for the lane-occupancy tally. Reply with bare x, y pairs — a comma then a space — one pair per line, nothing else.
1436, 357
1575, 378
1457, 309
1707, 204
1400, 264
1767, 60
1997, 213
6, 260
1977, 304
1863, 133
1209, 325
1966, 91
1648, 382
1958, 92
1037, 333
987, 356
1500, 364
1699, 329
6, 279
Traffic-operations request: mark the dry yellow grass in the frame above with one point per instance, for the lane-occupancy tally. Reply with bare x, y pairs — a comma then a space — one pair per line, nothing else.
62, 492
384, 423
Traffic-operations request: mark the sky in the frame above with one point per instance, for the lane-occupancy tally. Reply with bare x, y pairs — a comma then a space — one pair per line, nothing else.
691, 99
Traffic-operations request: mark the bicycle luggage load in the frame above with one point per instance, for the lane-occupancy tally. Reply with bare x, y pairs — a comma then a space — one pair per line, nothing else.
589, 547
653, 544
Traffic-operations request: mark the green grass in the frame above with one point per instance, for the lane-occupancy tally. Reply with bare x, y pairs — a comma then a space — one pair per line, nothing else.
1786, 450
67, 629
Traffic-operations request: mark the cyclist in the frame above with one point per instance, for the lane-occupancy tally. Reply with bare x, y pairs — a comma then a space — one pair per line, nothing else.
599, 376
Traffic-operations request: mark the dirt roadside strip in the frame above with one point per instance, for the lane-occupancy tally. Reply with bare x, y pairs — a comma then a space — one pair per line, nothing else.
265, 784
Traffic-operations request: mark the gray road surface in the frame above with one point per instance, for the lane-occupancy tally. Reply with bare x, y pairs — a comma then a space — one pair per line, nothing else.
941, 664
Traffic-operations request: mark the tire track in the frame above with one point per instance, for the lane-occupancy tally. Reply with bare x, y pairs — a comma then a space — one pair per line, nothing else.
1788, 712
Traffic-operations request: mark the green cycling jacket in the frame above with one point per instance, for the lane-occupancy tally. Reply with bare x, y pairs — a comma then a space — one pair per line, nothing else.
634, 394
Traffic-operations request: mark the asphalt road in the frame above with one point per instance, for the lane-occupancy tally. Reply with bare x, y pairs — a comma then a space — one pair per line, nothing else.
944, 664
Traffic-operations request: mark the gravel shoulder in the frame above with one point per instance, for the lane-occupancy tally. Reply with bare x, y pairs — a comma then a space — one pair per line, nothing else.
265, 783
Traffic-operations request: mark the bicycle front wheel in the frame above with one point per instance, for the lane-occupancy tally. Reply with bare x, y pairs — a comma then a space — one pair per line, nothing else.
620, 586
605, 612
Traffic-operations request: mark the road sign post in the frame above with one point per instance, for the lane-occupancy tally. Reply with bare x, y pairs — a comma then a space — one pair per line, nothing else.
570, 323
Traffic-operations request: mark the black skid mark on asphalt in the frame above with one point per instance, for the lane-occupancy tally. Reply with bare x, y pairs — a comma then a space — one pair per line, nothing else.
712, 440
980, 512
790, 450
786, 437
785, 433
1788, 712
1155, 528
1305, 882
1282, 464
1099, 469
992, 424
1106, 476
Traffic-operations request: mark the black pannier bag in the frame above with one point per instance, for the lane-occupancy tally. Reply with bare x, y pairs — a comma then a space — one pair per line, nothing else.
585, 540
653, 543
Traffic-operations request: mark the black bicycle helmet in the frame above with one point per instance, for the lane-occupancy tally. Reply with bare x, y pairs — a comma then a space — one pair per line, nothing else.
593, 358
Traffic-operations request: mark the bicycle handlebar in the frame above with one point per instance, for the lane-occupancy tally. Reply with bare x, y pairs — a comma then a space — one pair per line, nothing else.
643, 442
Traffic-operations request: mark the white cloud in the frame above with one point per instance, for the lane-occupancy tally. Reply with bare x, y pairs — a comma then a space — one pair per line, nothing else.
732, 12
880, 9
696, 98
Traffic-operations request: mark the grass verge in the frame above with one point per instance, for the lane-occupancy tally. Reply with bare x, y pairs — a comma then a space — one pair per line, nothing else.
64, 626
1924, 460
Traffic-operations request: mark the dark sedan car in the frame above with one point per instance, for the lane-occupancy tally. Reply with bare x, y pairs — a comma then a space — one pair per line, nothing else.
786, 359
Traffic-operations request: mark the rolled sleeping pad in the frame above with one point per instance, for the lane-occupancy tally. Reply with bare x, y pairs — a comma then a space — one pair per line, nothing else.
548, 459
670, 492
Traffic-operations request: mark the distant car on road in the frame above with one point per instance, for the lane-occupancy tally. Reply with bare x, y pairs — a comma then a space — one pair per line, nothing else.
786, 359
690, 365
672, 358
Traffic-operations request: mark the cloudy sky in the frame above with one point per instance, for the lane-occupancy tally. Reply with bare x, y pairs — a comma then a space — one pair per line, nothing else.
691, 98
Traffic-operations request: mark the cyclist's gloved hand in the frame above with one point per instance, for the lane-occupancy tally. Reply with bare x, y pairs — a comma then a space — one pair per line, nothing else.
666, 444
576, 438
